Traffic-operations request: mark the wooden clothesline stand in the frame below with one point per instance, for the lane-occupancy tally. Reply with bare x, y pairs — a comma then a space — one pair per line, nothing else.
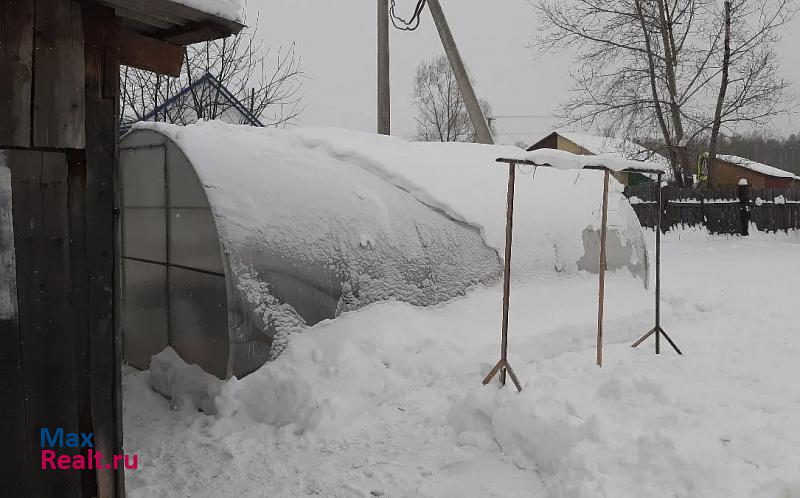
503, 366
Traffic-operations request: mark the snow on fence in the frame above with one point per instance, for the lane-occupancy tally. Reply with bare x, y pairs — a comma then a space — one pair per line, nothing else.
720, 210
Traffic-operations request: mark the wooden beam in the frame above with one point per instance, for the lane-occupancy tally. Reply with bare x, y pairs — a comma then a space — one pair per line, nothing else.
58, 89
102, 72
76, 210
143, 52
195, 33
16, 70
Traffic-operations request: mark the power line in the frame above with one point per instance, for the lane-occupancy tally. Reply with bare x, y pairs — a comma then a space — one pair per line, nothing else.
407, 24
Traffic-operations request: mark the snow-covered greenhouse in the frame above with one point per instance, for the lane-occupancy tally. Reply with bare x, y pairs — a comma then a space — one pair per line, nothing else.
234, 237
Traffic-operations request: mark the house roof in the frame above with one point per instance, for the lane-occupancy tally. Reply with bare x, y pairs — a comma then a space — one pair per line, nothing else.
181, 22
761, 168
222, 92
611, 147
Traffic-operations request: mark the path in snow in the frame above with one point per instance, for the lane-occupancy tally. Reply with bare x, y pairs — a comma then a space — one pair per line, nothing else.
387, 401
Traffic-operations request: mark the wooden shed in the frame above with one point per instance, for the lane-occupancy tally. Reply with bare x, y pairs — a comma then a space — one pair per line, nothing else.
729, 170
590, 145
59, 342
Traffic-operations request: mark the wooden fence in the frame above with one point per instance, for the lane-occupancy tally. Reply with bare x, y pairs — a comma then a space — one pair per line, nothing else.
728, 210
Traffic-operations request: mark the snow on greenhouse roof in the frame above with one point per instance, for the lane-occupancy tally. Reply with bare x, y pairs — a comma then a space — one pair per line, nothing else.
239, 165
764, 169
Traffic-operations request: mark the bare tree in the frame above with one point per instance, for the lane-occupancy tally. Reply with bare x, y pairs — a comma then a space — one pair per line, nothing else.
441, 112
682, 70
265, 81
713, 144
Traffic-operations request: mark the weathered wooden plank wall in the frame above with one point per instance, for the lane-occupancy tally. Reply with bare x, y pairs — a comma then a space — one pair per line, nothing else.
16, 66
60, 349
58, 92
41, 231
13, 468
58, 358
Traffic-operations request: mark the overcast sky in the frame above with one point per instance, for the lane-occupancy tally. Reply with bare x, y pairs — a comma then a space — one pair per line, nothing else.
337, 38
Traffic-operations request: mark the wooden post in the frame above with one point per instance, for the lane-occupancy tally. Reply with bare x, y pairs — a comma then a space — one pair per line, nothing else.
507, 267
384, 100
603, 234
743, 191
101, 76
484, 134
503, 365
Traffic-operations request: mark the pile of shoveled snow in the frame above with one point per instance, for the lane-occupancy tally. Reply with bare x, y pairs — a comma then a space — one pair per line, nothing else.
387, 401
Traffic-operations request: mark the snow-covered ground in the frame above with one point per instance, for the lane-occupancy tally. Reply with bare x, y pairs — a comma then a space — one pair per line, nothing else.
387, 401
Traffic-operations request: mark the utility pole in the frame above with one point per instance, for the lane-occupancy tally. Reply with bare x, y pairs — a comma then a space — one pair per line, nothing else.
464, 85
384, 102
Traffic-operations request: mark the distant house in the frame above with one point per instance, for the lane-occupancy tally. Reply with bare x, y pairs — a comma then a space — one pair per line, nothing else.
578, 143
212, 94
728, 170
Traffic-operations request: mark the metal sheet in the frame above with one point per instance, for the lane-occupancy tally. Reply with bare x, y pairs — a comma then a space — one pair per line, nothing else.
199, 319
144, 311
144, 233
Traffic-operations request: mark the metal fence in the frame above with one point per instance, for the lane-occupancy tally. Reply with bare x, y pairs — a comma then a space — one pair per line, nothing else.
724, 210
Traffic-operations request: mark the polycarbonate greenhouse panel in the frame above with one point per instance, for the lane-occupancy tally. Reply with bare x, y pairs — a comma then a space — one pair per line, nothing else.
144, 234
144, 185
193, 240
144, 311
198, 319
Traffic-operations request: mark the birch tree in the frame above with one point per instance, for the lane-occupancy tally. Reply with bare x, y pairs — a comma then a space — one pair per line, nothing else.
441, 112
